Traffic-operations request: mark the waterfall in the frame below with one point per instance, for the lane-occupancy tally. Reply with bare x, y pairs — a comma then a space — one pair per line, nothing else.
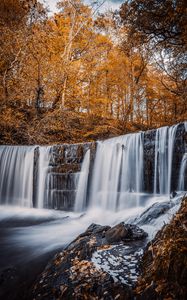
183, 169
164, 144
117, 172
80, 201
124, 170
16, 175
42, 184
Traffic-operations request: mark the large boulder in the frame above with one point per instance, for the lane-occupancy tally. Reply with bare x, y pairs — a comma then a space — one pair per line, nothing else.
77, 273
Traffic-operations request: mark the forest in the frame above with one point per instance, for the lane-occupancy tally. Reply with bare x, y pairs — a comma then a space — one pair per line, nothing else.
81, 75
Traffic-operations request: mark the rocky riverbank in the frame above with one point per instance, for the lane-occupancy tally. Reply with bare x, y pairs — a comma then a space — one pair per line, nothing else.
115, 263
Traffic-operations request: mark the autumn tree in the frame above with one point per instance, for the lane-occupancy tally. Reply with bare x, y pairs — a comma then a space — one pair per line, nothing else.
15, 16
162, 26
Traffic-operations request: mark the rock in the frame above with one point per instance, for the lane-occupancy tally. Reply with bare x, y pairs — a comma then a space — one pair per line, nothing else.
153, 212
124, 232
95, 228
137, 233
72, 274
120, 261
173, 194
117, 233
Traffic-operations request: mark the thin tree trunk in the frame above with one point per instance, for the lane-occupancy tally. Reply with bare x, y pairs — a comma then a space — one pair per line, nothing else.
64, 90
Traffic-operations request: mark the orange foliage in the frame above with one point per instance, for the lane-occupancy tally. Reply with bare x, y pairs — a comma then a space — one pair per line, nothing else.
76, 66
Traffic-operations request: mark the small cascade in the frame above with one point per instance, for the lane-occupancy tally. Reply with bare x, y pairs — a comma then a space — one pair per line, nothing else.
16, 175
183, 170
81, 195
164, 144
42, 185
118, 171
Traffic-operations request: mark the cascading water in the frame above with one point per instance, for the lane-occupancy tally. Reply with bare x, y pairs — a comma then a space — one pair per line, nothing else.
183, 169
80, 201
42, 184
16, 175
118, 171
164, 143
116, 180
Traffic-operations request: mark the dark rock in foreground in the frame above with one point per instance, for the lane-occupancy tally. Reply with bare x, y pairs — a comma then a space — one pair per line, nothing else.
79, 272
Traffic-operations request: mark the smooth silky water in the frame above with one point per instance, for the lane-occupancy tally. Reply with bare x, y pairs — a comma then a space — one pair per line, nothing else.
30, 236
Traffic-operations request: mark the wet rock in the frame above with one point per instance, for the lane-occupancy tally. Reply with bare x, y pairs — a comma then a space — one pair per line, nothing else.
95, 229
117, 233
173, 194
153, 212
120, 261
124, 232
74, 274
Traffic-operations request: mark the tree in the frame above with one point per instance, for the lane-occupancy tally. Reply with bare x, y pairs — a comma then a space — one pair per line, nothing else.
16, 18
162, 25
